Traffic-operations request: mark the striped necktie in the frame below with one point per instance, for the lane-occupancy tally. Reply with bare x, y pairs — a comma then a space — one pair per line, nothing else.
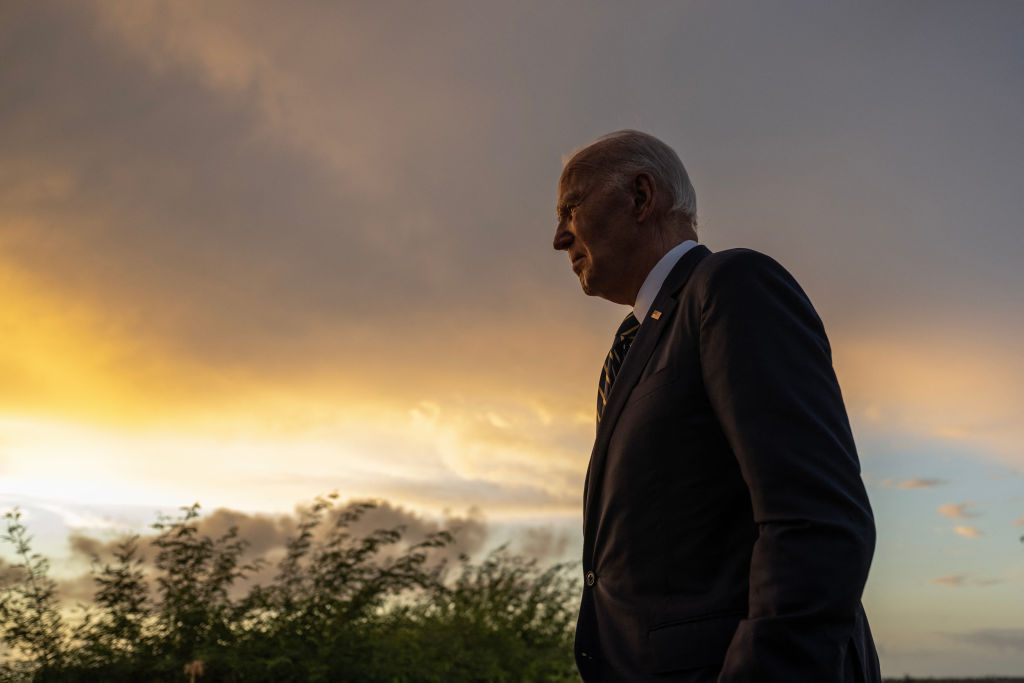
624, 337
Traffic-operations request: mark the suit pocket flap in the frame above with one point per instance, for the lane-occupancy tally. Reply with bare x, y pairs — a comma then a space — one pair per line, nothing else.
691, 644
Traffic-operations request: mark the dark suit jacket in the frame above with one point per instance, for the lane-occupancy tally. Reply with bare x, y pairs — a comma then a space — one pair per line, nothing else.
727, 532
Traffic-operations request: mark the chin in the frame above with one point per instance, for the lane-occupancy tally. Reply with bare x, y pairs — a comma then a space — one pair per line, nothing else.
591, 285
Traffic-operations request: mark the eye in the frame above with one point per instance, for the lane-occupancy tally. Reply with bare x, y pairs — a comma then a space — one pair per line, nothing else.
567, 212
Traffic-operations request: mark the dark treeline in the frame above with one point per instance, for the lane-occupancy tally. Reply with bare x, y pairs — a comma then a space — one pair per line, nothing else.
340, 607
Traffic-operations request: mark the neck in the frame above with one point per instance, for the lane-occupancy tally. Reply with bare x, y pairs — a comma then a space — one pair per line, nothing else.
649, 257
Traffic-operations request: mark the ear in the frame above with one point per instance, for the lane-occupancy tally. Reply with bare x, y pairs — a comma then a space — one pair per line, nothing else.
643, 196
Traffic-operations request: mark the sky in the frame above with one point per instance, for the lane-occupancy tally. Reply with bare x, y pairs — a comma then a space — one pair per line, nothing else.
251, 253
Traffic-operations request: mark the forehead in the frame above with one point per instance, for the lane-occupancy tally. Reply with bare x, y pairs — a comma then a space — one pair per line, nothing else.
573, 183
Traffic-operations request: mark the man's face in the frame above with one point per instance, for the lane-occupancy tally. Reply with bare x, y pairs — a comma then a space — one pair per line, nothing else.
593, 228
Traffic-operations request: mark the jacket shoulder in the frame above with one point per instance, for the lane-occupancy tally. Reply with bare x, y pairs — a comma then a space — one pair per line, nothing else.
731, 265
730, 259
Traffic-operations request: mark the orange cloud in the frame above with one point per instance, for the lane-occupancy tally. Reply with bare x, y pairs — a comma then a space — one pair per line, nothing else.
968, 531
915, 483
894, 382
951, 580
58, 356
83, 393
957, 510
922, 483
960, 580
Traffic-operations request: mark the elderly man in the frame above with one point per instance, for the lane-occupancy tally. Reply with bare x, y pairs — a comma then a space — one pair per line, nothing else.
727, 533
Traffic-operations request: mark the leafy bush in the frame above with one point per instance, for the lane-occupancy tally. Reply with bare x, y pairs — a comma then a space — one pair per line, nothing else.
338, 609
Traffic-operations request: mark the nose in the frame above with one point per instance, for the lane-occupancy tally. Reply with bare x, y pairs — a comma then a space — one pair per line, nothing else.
563, 238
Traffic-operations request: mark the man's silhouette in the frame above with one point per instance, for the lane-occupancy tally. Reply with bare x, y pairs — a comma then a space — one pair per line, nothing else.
727, 533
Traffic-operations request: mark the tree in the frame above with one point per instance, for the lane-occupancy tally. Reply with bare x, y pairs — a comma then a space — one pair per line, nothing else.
338, 609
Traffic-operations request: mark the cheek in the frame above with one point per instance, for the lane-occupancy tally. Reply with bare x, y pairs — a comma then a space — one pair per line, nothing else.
592, 244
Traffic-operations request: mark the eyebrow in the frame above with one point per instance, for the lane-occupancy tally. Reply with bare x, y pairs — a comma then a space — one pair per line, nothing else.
571, 198
562, 207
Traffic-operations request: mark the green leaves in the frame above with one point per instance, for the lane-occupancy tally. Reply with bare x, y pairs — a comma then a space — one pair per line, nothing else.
339, 608
29, 607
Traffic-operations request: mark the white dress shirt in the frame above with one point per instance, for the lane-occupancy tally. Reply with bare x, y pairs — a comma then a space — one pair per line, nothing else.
656, 278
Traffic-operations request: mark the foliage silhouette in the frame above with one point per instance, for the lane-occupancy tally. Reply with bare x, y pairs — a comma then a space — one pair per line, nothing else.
338, 609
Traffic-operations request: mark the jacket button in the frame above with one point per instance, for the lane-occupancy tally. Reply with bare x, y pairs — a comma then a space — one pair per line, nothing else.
590, 578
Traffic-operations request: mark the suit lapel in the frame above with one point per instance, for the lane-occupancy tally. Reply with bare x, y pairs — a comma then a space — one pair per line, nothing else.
658, 319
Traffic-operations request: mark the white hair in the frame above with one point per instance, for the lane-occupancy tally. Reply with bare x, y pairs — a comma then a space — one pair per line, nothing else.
619, 156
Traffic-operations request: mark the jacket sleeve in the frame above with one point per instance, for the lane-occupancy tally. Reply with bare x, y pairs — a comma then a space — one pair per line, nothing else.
767, 368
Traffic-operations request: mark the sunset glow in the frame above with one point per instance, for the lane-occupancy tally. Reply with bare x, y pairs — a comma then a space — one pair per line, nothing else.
251, 253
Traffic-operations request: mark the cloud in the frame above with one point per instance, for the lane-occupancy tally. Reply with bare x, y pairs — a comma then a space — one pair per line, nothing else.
912, 397
988, 582
202, 223
922, 483
1019, 522
951, 580
1004, 640
541, 542
262, 179
267, 536
239, 204
968, 531
961, 580
1006, 473
454, 458
915, 483
81, 589
957, 510
9, 573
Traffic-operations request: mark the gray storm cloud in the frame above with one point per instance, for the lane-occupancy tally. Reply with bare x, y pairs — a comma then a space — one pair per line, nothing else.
244, 199
266, 537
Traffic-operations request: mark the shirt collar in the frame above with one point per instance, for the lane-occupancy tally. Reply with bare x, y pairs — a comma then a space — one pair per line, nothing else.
656, 278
